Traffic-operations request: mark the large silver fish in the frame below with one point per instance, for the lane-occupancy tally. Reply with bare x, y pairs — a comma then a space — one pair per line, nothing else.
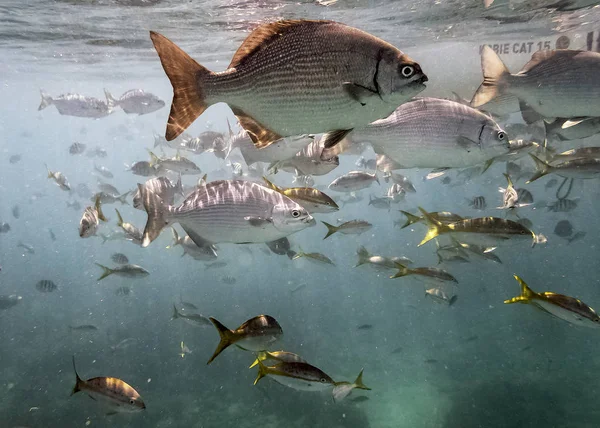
234, 211
554, 83
294, 77
435, 133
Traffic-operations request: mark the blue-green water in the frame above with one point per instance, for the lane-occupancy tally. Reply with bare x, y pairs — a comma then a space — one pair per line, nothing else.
477, 363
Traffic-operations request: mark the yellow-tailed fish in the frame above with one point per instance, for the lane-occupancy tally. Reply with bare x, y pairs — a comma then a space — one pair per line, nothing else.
279, 356
312, 199
256, 334
342, 389
566, 308
426, 274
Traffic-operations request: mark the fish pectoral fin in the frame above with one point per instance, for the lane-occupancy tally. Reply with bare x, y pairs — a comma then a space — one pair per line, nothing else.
573, 122
529, 115
259, 134
198, 240
466, 143
258, 221
331, 143
359, 93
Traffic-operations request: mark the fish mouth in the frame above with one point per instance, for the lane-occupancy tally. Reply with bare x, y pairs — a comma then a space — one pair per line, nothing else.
310, 221
421, 80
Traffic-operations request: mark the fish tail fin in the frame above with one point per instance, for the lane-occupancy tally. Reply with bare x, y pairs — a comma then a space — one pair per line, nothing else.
510, 183
538, 238
104, 238
119, 218
363, 256
175, 313
153, 158
111, 101
331, 229
46, 100
410, 219
175, 238
262, 371
526, 293
50, 173
186, 77
157, 212
270, 185
542, 168
358, 383
261, 356
106, 271
179, 186
402, 271
123, 198
98, 206
435, 227
494, 72
227, 338
78, 380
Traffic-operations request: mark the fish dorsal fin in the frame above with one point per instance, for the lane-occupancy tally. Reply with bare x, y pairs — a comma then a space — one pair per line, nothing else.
543, 55
263, 36
198, 240
258, 133
272, 186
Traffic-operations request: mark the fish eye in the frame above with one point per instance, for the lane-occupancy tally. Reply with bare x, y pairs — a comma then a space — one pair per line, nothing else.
131, 401
323, 380
501, 136
295, 213
407, 71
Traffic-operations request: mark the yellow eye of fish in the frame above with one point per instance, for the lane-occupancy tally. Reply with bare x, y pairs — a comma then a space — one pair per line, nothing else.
407, 71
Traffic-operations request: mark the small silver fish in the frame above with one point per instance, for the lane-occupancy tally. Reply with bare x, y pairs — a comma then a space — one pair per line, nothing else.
102, 170
88, 225
14, 159
196, 320
136, 101
16, 211
77, 105
59, 179
563, 205
28, 248
7, 302
132, 233
380, 203
178, 164
353, 181
478, 203
119, 258
126, 271
77, 148
352, 227
204, 253
142, 168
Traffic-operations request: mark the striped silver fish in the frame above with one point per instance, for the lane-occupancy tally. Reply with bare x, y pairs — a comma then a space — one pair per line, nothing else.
308, 161
142, 168
435, 133
567, 130
585, 168
46, 286
478, 203
88, 225
554, 83
234, 211
294, 77
136, 101
353, 181
77, 105
163, 187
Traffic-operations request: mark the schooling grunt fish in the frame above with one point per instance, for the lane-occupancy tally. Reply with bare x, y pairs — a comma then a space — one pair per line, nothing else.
435, 133
554, 83
256, 335
313, 200
294, 77
77, 105
566, 308
136, 101
163, 187
88, 225
120, 396
234, 211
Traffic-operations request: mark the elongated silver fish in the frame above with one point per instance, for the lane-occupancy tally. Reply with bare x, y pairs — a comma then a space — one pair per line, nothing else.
353, 181
256, 334
585, 168
227, 211
132, 233
313, 200
114, 392
352, 227
280, 150
178, 164
77, 105
60, 179
297, 375
163, 187
428, 275
126, 271
379, 262
294, 77
103, 171
567, 130
279, 356
435, 133
196, 320
566, 308
142, 168
576, 154
380, 203
108, 198
554, 83
136, 101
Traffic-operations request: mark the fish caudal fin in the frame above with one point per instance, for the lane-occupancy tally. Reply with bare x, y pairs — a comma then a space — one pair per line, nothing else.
119, 218
435, 227
262, 371
175, 313
402, 271
358, 383
175, 238
227, 339
526, 293
111, 101
410, 219
331, 229
331, 143
46, 100
106, 272
78, 380
186, 77
261, 356
363, 256
494, 71
157, 215
123, 198
98, 206
542, 168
